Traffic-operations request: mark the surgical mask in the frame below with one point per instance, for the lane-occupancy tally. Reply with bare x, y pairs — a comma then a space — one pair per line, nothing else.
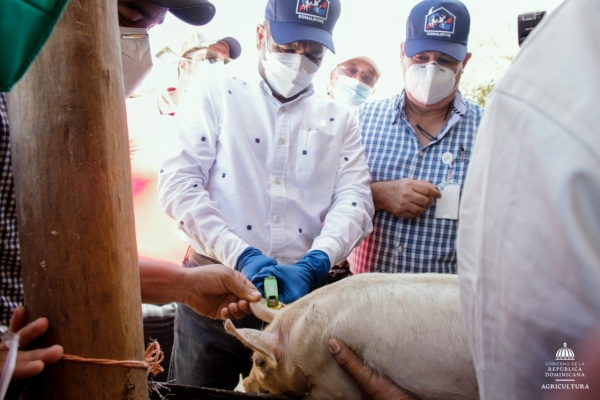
135, 56
288, 74
351, 91
430, 83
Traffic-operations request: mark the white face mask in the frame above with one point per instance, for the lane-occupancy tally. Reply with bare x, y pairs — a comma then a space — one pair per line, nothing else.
430, 83
351, 91
135, 56
288, 74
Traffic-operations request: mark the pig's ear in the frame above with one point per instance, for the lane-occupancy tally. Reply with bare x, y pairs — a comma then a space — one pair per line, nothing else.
255, 339
262, 312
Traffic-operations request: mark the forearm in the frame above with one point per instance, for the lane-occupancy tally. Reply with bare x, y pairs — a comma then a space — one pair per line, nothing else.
197, 215
161, 281
349, 218
378, 189
348, 222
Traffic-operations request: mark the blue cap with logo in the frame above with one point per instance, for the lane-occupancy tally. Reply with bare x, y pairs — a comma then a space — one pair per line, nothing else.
295, 20
438, 25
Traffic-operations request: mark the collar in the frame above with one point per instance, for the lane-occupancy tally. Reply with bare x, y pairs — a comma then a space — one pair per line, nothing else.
459, 108
267, 90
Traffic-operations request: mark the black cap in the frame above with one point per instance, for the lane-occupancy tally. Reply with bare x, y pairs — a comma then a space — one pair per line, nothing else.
193, 12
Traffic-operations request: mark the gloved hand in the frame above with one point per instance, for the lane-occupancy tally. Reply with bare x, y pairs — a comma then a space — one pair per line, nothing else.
296, 280
251, 261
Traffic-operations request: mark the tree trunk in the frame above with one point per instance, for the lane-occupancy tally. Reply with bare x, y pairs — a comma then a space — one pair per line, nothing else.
75, 209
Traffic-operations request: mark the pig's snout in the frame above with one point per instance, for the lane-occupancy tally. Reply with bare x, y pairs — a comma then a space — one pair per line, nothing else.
251, 386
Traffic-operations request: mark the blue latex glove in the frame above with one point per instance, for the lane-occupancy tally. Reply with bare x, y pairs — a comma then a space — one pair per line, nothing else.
296, 280
251, 261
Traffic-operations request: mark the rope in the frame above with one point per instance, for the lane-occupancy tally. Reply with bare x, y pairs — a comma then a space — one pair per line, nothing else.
154, 357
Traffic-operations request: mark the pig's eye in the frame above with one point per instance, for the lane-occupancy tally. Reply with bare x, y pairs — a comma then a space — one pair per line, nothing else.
258, 361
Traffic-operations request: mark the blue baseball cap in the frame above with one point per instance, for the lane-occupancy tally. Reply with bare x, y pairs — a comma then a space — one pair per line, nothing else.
295, 20
438, 25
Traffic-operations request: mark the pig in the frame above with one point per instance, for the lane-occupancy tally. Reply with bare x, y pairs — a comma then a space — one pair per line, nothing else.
408, 327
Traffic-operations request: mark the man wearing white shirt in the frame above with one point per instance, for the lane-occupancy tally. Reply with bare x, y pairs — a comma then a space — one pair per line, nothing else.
268, 178
529, 233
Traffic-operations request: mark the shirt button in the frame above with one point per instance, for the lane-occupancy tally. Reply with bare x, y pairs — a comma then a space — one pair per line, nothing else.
282, 109
277, 181
399, 249
277, 220
420, 154
281, 141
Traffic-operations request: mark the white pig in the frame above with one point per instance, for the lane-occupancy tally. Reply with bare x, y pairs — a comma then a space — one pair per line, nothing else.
408, 327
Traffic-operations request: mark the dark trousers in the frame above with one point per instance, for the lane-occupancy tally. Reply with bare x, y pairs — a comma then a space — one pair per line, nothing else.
205, 355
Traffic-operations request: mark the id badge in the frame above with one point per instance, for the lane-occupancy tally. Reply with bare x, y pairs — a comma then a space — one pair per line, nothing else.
447, 206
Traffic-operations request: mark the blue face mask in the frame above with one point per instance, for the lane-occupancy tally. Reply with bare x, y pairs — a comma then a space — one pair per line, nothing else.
351, 91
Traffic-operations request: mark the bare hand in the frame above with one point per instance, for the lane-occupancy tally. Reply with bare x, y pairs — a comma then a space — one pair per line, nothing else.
219, 292
31, 362
372, 385
405, 198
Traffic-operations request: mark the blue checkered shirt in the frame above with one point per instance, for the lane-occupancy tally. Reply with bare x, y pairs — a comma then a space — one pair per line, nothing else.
393, 150
11, 286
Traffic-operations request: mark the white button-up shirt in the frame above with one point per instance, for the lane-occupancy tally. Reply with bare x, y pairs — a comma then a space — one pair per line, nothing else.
529, 233
251, 171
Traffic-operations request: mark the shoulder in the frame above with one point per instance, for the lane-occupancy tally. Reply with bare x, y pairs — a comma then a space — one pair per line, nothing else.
473, 110
216, 80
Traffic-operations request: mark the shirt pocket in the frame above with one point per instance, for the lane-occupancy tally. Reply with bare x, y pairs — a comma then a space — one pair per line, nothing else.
317, 159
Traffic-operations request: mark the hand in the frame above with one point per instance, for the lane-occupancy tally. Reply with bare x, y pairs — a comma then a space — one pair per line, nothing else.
296, 280
31, 362
372, 385
216, 291
293, 281
404, 198
251, 261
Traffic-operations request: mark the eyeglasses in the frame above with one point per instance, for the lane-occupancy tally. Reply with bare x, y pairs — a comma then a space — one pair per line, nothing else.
208, 56
352, 72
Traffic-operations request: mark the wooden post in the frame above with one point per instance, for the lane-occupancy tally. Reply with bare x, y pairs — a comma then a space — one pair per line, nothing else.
75, 209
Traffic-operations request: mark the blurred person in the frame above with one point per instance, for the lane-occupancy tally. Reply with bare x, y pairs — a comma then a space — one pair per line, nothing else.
197, 53
136, 17
353, 81
268, 179
150, 125
529, 236
418, 145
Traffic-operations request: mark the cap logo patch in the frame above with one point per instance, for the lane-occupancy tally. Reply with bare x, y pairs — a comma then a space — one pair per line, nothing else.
313, 10
439, 22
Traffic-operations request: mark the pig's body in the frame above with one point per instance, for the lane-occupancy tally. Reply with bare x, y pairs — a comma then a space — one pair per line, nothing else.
407, 327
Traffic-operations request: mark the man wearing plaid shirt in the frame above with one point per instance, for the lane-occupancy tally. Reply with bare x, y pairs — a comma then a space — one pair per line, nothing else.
11, 287
418, 144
